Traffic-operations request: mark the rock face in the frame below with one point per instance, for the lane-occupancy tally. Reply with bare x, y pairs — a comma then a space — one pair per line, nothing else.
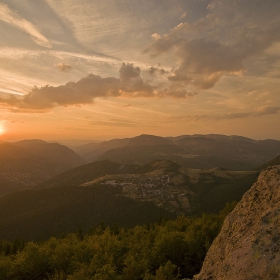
248, 246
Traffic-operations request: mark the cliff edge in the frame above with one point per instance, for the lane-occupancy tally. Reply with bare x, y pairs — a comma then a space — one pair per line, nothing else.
248, 246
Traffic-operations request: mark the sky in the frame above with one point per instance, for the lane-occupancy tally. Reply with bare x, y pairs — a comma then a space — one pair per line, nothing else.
98, 70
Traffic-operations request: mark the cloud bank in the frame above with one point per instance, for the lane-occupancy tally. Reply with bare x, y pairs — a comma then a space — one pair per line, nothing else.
219, 43
84, 91
129, 84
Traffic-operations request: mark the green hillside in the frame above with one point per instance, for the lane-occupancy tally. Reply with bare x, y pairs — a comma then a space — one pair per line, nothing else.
39, 214
87, 172
142, 154
214, 194
173, 249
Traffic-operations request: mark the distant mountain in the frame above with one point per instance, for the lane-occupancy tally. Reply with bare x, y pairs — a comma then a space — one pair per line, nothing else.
70, 143
94, 151
194, 151
118, 193
143, 154
90, 151
148, 140
26, 163
54, 152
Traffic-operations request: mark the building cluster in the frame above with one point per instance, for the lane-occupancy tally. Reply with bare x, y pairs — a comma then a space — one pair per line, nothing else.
145, 186
17, 177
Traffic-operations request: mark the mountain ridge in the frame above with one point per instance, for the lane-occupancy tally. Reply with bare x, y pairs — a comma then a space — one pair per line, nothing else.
205, 151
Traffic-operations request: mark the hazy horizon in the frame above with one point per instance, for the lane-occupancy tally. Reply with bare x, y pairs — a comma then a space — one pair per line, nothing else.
96, 71
72, 142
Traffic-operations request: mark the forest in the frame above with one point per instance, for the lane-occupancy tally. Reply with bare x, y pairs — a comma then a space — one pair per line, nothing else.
168, 249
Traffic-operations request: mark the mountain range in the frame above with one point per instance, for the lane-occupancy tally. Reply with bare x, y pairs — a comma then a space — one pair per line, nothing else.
193, 151
25, 164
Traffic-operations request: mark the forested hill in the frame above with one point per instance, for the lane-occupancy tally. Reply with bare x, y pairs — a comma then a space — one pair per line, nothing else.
26, 163
153, 251
39, 214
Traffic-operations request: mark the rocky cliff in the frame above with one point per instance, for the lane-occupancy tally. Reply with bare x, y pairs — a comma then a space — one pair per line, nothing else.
248, 246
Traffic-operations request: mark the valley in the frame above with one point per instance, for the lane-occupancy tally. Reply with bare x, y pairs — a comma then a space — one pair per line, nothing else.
46, 189
115, 193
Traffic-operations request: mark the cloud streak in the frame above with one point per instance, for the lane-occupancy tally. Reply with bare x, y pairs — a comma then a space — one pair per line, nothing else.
257, 112
14, 19
116, 123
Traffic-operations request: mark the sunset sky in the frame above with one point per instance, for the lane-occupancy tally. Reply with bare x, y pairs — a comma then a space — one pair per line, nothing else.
98, 70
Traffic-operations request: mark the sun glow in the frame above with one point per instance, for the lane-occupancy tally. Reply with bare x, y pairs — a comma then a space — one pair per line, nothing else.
2, 128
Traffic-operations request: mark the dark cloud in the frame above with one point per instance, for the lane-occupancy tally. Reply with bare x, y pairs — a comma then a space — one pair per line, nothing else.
176, 92
266, 110
128, 72
156, 70
64, 67
131, 82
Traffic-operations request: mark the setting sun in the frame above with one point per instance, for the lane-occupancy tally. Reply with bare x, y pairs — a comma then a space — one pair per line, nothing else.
2, 128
